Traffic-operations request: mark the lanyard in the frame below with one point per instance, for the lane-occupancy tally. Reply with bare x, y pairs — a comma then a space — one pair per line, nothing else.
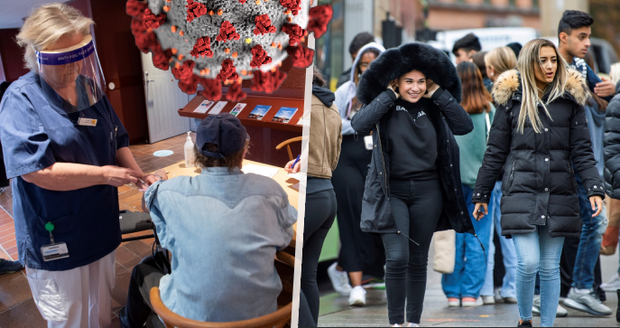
50, 227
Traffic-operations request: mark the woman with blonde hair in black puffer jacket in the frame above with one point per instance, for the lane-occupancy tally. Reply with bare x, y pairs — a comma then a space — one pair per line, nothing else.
538, 134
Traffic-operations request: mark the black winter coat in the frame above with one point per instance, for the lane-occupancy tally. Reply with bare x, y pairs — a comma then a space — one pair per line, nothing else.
539, 185
448, 117
612, 147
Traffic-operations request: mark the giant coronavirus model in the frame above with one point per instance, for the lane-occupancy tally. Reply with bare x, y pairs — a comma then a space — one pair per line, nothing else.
222, 42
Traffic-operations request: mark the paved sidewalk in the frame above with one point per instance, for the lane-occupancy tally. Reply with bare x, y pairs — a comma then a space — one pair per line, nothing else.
335, 311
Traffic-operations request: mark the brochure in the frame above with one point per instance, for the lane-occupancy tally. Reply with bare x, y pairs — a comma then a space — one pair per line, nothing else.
238, 108
284, 115
218, 107
204, 106
259, 112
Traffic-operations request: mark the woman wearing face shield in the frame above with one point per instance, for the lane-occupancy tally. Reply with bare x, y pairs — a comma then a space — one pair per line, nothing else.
67, 152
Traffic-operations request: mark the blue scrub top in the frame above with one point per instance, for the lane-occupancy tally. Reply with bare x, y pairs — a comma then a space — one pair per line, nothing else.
39, 129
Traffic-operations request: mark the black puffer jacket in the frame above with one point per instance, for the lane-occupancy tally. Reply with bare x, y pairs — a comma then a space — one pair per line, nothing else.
612, 146
445, 113
539, 185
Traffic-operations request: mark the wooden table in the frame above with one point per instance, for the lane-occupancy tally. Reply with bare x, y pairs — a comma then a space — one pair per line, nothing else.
282, 178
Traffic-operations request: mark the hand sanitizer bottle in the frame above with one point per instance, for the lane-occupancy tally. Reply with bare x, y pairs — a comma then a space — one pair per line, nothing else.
189, 151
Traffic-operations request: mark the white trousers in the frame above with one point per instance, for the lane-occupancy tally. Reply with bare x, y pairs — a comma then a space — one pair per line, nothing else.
76, 298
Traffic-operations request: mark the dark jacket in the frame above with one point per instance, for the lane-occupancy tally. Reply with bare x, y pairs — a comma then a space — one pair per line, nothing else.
612, 147
539, 185
448, 117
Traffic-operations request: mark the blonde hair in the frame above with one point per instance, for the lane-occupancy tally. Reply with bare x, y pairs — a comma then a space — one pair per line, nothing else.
501, 59
45, 25
529, 59
614, 72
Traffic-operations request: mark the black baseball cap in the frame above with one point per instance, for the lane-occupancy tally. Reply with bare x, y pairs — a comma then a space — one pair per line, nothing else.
224, 130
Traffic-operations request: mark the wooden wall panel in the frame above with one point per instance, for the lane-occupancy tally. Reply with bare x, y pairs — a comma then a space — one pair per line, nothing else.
121, 64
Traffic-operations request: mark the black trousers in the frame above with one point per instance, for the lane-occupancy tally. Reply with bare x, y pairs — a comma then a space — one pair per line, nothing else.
359, 251
320, 214
138, 308
416, 208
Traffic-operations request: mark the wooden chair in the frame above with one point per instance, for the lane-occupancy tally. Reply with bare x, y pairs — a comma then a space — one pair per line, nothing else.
288, 143
277, 319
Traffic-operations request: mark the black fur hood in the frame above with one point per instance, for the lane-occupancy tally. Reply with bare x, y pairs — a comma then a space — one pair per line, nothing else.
395, 62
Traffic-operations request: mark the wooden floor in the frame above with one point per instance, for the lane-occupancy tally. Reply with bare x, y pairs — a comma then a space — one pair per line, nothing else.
17, 309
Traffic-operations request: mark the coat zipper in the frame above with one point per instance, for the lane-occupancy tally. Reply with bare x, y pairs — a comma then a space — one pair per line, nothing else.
383, 161
512, 174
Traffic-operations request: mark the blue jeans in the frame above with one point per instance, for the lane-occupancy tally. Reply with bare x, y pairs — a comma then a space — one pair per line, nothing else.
508, 251
538, 252
589, 242
470, 261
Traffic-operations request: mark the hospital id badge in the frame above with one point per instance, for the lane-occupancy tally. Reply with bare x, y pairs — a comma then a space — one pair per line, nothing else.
55, 251
83, 121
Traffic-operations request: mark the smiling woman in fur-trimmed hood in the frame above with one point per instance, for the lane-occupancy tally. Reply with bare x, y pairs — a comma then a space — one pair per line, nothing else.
411, 96
539, 136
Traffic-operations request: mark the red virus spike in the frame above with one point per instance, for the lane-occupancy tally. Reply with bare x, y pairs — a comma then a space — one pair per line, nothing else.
195, 10
259, 56
235, 93
161, 58
137, 26
300, 55
319, 17
292, 5
202, 47
263, 25
212, 89
295, 33
227, 32
267, 82
228, 71
242, 1
135, 8
152, 21
185, 75
146, 41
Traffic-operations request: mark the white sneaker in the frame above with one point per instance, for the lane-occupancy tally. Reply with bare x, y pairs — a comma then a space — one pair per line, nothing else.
477, 302
411, 324
396, 325
613, 284
357, 296
487, 299
560, 312
339, 279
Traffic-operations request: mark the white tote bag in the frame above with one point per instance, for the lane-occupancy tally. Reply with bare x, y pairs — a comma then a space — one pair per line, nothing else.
444, 249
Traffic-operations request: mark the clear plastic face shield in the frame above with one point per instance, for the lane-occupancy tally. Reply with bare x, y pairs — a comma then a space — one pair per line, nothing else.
71, 77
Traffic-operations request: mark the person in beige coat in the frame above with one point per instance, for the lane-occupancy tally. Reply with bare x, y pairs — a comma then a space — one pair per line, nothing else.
323, 154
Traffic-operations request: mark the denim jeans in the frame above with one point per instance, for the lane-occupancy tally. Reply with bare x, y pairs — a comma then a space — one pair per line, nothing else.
470, 261
508, 251
589, 242
538, 252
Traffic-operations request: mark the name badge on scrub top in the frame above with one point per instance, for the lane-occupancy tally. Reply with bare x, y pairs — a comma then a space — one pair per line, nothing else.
83, 121
53, 251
